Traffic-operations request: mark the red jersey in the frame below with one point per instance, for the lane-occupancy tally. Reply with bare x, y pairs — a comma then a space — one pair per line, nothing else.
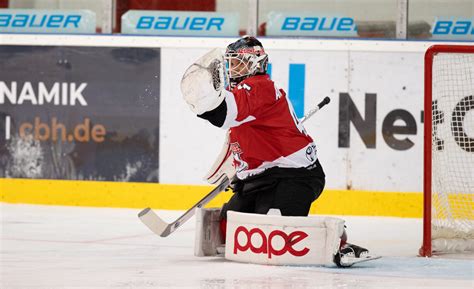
264, 129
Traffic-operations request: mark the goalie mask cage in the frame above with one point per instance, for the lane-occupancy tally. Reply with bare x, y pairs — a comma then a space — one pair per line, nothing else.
448, 150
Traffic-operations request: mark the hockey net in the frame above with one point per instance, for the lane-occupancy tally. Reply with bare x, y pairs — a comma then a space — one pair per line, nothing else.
449, 150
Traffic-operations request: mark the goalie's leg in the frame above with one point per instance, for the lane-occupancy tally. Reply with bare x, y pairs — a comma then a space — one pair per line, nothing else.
291, 190
239, 203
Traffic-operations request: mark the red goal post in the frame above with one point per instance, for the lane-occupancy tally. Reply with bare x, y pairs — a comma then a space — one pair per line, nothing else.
447, 204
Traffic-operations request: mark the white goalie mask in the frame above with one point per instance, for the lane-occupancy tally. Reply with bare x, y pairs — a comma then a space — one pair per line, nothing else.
244, 58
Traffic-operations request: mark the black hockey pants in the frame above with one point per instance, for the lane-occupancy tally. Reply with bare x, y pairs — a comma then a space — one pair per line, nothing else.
291, 190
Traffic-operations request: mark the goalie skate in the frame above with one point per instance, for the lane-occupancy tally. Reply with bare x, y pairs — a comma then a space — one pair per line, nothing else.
350, 254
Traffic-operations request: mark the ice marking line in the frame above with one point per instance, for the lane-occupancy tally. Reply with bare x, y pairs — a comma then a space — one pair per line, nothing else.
92, 242
7, 127
82, 242
64, 241
115, 238
119, 238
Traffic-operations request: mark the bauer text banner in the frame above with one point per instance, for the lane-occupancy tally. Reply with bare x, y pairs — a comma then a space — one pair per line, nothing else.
47, 21
180, 23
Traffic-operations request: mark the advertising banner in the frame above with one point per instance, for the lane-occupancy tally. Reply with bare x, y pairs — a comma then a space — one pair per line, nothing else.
173, 23
309, 24
453, 28
79, 113
47, 21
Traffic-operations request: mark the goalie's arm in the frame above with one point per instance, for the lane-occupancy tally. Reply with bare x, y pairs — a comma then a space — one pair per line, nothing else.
216, 116
226, 113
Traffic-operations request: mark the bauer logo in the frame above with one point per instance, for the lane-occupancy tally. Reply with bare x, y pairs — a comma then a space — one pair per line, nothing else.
47, 21
275, 243
309, 24
180, 23
453, 28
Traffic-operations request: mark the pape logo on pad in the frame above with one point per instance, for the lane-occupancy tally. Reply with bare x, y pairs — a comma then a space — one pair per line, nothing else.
276, 243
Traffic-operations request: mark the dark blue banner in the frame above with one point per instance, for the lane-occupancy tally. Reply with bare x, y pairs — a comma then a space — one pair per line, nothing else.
79, 113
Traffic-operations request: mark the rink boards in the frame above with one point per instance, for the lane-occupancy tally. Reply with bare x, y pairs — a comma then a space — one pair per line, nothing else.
369, 138
182, 197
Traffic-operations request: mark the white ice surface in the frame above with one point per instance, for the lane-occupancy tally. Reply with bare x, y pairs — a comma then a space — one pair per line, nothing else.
51, 247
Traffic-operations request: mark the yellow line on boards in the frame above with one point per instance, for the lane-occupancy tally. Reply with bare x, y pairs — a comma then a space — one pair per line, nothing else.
182, 197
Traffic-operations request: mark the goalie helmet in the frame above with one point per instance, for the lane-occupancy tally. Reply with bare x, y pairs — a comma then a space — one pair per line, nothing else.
244, 58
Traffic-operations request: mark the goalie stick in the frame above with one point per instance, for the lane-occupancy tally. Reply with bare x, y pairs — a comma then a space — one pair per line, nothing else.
163, 229
310, 113
160, 227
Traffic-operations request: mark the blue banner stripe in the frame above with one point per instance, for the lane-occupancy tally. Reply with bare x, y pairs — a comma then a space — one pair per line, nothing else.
296, 88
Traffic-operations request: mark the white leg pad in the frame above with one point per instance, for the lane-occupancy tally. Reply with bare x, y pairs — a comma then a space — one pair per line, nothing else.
207, 237
277, 240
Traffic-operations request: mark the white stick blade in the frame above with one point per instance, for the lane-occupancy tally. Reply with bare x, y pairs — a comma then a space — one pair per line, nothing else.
152, 221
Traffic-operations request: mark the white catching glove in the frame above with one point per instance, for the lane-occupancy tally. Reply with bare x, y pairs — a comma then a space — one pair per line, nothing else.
203, 82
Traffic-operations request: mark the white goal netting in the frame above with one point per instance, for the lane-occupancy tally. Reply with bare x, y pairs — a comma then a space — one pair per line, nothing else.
453, 152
